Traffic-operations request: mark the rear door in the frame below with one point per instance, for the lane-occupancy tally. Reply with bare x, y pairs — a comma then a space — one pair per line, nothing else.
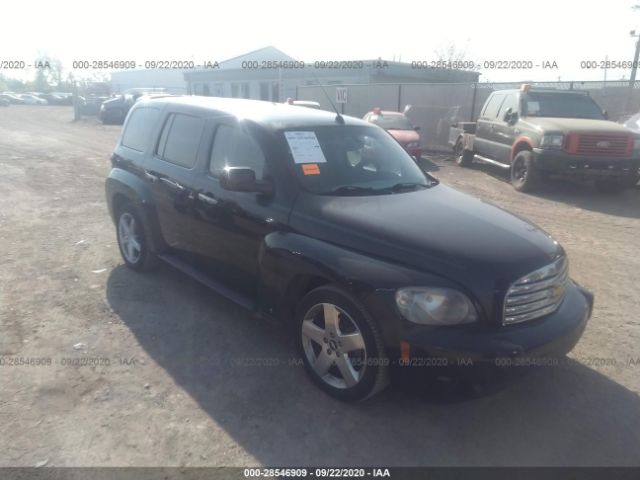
505, 132
170, 174
485, 140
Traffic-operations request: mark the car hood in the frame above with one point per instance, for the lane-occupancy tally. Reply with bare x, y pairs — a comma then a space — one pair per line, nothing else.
575, 125
437, 230
113, 102
404, 136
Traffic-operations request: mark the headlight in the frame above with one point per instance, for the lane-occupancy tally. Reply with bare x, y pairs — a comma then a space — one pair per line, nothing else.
413, 145
552, 141
435, 306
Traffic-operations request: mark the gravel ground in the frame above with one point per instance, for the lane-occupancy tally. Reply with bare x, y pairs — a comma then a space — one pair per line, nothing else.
145, 370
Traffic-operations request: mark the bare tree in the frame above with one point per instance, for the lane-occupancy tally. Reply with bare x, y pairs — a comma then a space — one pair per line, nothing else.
448, 51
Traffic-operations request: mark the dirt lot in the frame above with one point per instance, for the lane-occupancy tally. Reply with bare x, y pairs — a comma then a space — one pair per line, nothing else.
173, 383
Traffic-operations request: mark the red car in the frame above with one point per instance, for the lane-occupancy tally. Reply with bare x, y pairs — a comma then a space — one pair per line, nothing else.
400, 128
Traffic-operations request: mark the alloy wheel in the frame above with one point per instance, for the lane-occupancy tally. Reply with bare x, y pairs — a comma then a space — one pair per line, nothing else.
129, 238
334, 345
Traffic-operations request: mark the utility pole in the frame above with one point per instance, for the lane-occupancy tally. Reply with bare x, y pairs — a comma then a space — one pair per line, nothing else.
634, 68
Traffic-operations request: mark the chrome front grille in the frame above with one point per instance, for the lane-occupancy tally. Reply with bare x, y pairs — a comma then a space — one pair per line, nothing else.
537, 294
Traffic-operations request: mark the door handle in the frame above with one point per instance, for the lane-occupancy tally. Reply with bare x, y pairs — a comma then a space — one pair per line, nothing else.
150, 176
207, 199
172, 184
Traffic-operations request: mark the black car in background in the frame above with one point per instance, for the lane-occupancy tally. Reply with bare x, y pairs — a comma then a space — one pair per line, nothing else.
114, 110
326, 223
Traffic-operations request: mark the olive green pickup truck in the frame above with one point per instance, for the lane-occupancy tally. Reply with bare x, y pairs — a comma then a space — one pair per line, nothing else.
540, 132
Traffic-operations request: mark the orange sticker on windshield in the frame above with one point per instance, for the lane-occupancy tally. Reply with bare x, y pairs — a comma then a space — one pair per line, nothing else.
310, 169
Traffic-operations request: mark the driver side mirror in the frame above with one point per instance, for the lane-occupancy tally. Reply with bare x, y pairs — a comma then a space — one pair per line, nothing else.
510, 116
241, 179
605, 114
416, 128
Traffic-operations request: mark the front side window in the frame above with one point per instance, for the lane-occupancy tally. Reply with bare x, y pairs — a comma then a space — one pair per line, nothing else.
351, 160
233, 146
510, 102
139, 127
180, 139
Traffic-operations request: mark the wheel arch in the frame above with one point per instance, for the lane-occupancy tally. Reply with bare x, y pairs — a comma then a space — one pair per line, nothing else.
124, 187
520, 144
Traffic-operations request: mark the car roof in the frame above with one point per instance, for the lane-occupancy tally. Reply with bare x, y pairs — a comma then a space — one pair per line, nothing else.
388, 112
544, 90
271, 115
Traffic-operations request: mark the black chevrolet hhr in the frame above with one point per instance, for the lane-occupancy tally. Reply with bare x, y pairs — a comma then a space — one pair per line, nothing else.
326, 223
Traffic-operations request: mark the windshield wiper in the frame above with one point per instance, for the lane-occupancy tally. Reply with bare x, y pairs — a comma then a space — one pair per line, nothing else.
351, 190
405, 186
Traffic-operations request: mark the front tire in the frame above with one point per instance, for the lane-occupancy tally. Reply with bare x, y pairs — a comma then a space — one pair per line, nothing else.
464, 157
341, 345
133, 239
525, 177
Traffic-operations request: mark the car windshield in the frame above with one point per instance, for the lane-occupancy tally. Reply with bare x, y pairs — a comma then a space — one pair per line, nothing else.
352, 160
392, 122
561, 106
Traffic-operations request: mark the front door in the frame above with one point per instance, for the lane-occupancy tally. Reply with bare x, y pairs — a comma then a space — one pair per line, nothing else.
229, 226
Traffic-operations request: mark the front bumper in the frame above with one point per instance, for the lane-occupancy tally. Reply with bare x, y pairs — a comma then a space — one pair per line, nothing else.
560, 163
537, 342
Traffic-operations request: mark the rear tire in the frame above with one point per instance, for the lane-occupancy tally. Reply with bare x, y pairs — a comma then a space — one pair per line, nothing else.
464, 157
341, 345
525, 177
133, 239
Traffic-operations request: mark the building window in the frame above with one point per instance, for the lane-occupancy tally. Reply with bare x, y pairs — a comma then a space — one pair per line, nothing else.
218, 90
205, 89
246, 91
275, 92
234, 90
264, 90
334, 82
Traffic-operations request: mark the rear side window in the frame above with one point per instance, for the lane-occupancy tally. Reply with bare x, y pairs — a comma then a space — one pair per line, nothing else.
491, 110
234, 147
139, 127
180, 139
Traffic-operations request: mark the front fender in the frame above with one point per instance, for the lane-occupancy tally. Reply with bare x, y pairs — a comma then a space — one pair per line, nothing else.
287, 260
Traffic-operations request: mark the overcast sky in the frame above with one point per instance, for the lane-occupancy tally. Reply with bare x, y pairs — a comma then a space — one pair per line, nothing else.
564, 31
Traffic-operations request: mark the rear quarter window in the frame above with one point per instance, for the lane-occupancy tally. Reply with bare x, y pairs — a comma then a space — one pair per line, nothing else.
493, 105
138, 130
180, 139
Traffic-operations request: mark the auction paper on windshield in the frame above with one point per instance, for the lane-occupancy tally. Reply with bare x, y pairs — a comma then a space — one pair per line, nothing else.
305, 147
